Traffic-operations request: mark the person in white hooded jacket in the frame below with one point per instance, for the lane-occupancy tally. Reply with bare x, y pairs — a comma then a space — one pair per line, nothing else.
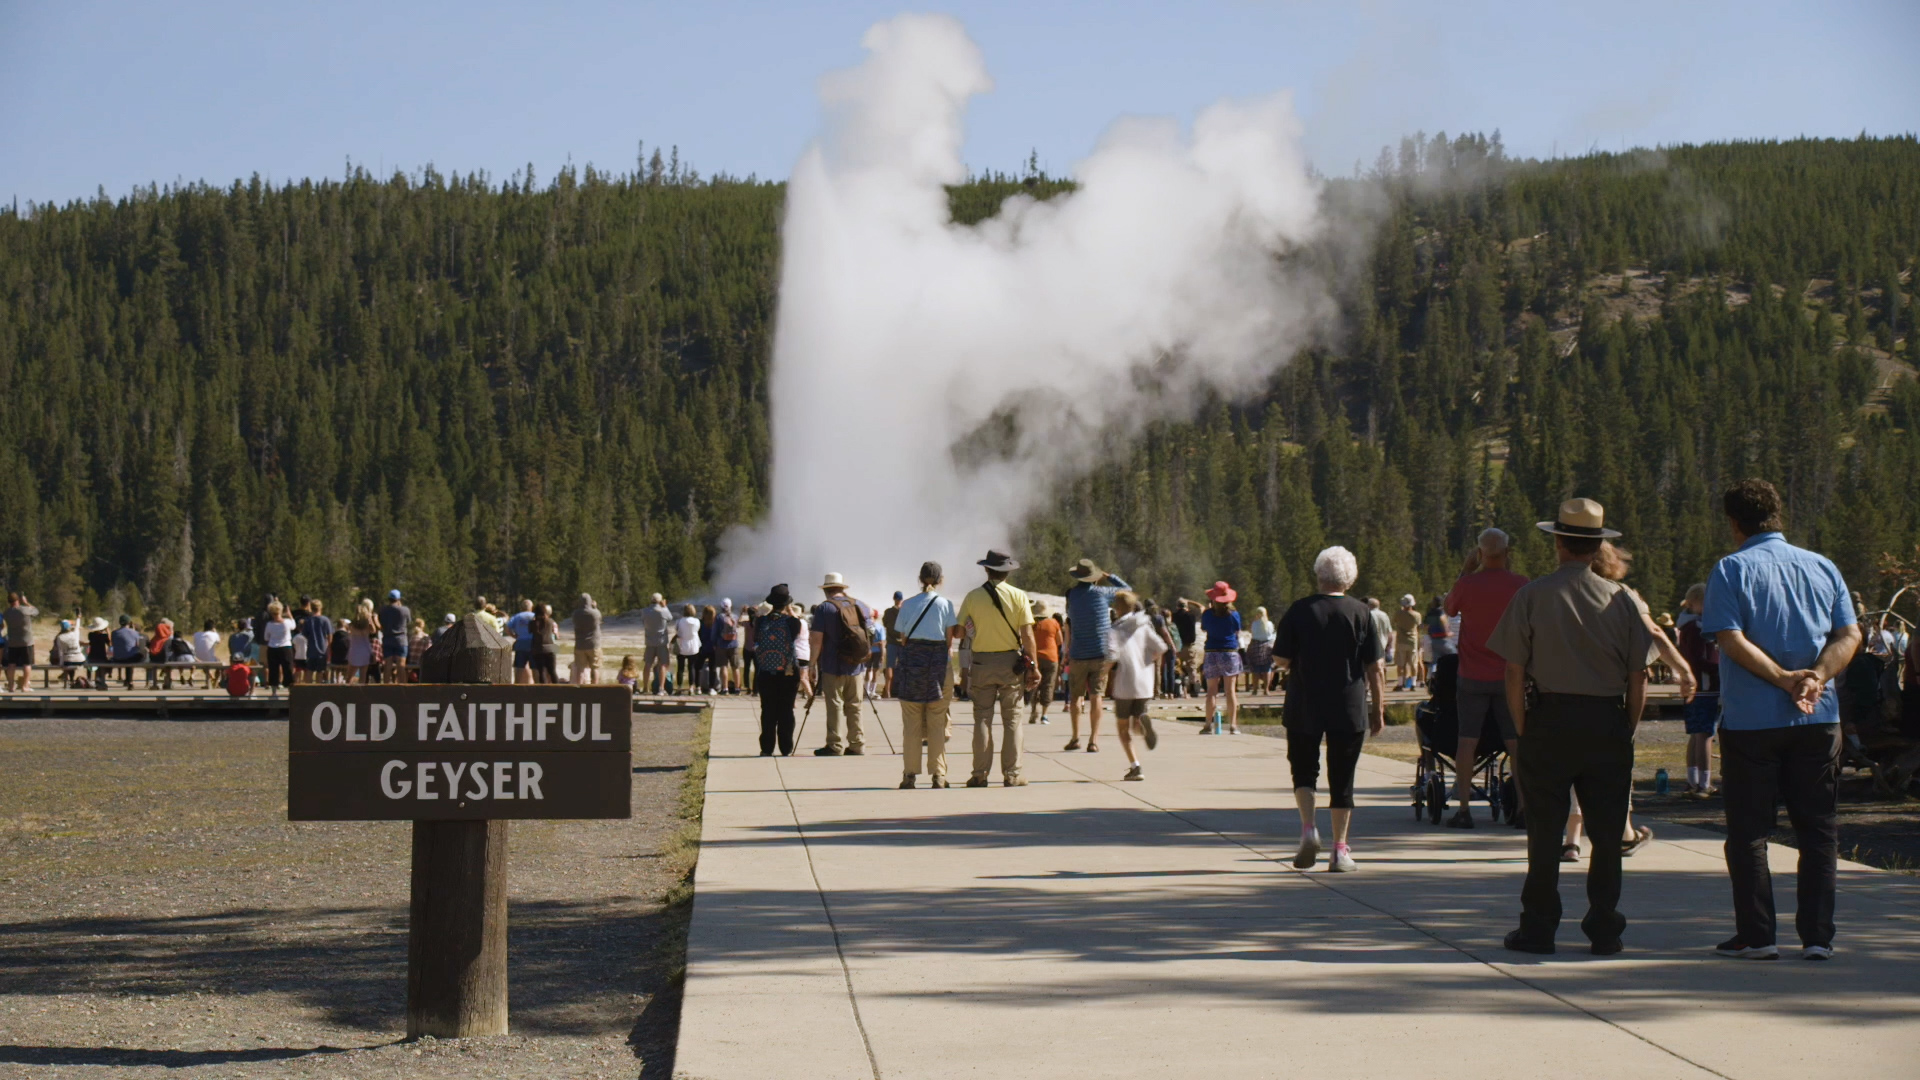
1136, 649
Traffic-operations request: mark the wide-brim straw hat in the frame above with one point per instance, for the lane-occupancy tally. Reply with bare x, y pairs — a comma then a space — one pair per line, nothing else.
1086, 570
98, 624
1582, 518
833, 581
1222, 593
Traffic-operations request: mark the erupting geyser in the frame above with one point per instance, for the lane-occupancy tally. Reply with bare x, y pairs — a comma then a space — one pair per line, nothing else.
933, 383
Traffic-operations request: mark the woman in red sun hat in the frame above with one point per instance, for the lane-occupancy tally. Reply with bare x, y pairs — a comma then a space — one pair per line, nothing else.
1220, 625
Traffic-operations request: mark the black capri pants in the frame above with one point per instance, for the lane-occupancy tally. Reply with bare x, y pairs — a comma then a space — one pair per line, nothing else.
280, 666
1343, 756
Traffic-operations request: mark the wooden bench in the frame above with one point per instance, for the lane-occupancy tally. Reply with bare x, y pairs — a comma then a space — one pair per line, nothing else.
47, 671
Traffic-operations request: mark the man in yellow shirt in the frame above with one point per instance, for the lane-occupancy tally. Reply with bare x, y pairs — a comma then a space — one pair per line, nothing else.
1001, 620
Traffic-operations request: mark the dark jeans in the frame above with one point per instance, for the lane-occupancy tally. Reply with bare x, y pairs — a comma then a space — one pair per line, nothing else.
1581, 744
1799, 766
776, 709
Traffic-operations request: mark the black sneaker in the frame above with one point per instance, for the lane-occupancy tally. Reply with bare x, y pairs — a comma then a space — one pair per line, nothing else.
906, 784
1133, 773
1739, 950
976, 781
1461, 819
1516, 941
854, 751
826, 751
1520, 820
938, 781
1607, 947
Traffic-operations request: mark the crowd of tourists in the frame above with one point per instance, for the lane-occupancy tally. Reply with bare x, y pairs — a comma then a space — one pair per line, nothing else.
288, 643
1558, 666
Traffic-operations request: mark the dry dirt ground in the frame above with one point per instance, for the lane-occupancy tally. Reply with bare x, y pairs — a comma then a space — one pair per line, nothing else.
160, 917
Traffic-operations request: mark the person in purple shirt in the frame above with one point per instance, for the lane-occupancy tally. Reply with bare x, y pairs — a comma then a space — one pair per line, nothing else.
1785, 627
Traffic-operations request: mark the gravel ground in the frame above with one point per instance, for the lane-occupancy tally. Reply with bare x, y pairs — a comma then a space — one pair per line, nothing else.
160, 917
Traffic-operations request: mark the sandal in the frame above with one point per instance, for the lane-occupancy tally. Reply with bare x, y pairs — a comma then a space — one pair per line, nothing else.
1570, 853
1093, 748
1641, 835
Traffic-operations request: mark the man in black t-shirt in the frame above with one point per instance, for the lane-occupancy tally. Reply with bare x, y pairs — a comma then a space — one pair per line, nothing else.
1333, 654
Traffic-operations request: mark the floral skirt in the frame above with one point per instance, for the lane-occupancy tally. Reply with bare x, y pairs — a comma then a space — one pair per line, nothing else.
1221, 664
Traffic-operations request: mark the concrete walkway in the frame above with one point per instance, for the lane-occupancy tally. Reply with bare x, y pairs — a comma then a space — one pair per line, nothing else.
1082, 926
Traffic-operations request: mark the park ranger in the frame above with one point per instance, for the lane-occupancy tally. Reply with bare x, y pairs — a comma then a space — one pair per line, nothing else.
1582, 641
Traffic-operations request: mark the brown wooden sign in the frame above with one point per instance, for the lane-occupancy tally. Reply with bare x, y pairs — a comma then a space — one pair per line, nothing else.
458, 752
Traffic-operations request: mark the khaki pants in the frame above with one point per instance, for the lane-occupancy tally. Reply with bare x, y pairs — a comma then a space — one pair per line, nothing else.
992, 681
842, 693
927, 720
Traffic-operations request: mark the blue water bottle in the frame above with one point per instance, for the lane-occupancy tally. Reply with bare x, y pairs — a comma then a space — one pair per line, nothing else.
1660, 781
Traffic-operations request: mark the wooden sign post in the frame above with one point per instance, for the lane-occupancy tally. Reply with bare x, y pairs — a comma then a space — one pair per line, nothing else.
458, 760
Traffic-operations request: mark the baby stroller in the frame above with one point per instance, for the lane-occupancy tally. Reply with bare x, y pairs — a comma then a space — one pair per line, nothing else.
1436, 724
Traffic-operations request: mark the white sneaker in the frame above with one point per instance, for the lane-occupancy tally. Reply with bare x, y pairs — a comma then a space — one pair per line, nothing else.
1817, 952
1309, 852
1341, 863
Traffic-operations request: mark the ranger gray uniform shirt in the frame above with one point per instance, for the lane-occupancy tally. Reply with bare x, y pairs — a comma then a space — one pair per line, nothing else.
1575, 632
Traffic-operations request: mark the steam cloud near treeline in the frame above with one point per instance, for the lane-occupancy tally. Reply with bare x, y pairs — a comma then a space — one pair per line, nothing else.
933, 383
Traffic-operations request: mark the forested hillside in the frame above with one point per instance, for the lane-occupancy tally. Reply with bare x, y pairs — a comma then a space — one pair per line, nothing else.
449, 386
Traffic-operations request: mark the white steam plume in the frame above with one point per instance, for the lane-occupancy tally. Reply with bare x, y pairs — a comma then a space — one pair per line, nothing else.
1055, 326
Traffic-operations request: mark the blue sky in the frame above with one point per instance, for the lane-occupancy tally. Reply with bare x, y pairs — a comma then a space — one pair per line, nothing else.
106, 94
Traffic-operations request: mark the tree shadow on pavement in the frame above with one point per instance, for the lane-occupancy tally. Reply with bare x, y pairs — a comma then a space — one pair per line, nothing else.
1431, 925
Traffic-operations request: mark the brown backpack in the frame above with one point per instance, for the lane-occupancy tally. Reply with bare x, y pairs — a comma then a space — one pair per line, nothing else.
854, 646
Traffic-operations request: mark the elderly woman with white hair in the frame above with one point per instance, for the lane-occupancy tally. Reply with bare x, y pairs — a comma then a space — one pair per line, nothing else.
1333, 654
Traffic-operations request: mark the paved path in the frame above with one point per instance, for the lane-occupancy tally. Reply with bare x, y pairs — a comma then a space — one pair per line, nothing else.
1082, 926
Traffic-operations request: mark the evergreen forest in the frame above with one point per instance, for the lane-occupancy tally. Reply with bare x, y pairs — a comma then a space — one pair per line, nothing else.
454, 386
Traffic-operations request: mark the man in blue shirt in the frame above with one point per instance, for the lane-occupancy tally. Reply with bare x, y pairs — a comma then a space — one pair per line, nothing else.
1785, 627
839, 676
1089, 618
520, 629
128, 646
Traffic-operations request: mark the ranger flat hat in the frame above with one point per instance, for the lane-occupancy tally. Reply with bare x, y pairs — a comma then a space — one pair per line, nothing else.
1580, 517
